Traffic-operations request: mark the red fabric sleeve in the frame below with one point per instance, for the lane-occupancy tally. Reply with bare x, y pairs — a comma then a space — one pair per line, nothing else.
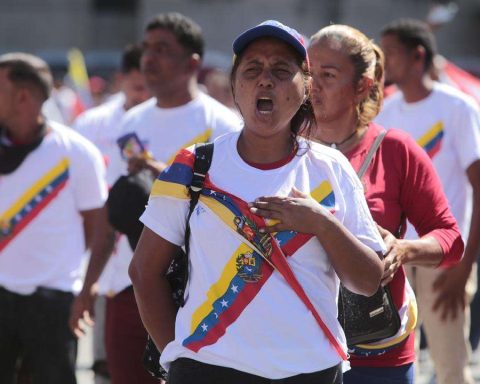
424, 202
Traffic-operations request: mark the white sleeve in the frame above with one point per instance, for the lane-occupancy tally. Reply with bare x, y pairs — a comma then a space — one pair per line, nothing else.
466, 134
167, 218
84, 124
87, 175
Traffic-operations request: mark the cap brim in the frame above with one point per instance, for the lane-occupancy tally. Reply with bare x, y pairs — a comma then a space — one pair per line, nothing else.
257, 32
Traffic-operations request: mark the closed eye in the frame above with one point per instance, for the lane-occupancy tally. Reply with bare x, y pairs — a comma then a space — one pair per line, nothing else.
282, 73
329, 75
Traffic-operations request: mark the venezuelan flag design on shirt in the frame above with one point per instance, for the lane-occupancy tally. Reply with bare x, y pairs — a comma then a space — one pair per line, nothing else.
431, 141
32, 202
201, 138
246, 271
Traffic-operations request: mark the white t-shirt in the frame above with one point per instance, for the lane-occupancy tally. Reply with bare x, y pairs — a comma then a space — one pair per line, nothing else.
101, 125
447, 125
43, 239
163, 131
239, 314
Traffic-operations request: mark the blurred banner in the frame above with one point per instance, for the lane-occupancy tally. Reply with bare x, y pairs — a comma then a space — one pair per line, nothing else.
457, 77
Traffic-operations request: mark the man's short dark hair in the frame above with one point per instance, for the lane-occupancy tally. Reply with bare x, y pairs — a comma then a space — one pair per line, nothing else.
25, 69
188, 33
412, 33
131, 58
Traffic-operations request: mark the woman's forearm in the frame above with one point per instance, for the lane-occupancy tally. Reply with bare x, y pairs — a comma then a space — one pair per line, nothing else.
359, 268
425, 251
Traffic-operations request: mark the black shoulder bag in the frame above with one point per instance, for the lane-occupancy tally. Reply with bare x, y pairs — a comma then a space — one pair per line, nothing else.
368, 319
177, 274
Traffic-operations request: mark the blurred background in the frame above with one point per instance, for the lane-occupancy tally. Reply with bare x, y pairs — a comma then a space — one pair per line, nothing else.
101, 28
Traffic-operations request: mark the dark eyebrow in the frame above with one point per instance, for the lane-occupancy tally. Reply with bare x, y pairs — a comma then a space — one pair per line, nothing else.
282, 62
253, 61
330, 66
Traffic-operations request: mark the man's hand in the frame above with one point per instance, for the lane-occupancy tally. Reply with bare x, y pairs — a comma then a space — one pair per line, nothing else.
83, 312
450, 288
137, 163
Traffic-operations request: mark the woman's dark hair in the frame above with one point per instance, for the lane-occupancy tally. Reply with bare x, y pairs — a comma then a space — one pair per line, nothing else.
368, 61
28, 70
187, 32
303, 121
413, 33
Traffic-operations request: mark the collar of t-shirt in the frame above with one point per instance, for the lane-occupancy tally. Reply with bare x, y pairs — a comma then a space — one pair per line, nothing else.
275, 164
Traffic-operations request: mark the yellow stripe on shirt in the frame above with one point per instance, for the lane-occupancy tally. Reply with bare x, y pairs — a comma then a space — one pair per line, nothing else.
220, 287
431, 133
202, 138
34, 190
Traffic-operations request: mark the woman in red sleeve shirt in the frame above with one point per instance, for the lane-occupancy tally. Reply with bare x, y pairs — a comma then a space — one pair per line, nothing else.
400, 184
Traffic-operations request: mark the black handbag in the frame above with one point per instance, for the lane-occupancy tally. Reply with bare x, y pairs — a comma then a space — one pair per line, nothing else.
368, 319
177, 274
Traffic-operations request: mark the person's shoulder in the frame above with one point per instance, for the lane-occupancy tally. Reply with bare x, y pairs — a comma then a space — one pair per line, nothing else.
332, 163
392, 101
396, 136
139, 111
219, 111
94, 116
71, 139
323, 153
98, 112
137, 116
397, 143
453, 96
225, 139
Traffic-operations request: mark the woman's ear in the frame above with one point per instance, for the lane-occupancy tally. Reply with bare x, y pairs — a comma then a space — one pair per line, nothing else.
363, 88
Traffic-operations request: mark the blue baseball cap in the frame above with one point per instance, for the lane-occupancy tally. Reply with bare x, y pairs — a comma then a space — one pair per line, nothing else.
271, 28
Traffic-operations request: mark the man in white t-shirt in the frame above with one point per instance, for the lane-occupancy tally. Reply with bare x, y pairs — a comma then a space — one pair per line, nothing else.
446, 123
101, 125
177, 116
52, 193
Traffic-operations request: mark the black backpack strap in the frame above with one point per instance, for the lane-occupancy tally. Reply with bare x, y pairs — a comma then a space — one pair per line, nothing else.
203, 160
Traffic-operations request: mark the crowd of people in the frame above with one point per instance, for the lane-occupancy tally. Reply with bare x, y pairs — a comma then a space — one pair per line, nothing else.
315, 182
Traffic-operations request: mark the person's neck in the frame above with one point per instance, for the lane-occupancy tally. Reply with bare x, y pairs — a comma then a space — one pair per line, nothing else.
260, 150
25, 131
342, 134
178, 96
416, 89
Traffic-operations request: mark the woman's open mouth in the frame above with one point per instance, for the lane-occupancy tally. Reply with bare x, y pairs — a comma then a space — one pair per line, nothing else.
264, 105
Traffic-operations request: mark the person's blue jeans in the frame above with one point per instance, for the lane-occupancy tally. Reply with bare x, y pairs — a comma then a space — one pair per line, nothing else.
35, 328
380, 375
